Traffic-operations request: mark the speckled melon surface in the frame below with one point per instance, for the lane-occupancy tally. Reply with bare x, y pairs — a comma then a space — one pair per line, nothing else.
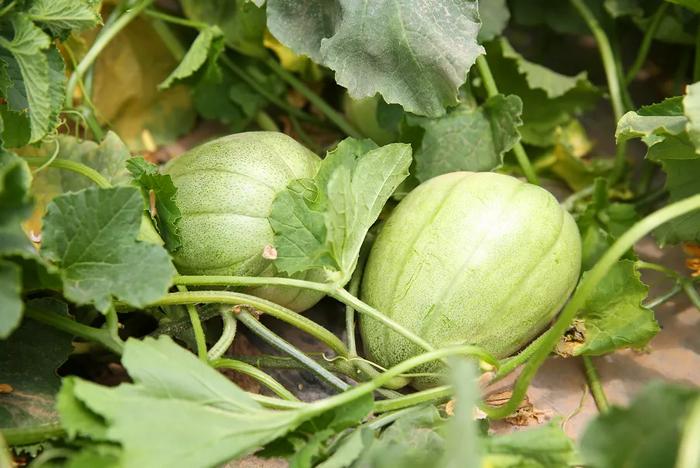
469, 258
225, 193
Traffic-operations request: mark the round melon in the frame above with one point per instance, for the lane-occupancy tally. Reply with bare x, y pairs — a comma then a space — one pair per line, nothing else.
469, 258
225, 192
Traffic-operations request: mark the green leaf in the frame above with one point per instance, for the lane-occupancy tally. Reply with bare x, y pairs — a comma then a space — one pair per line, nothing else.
91, 234
10, 297
550, 99
349, 449
645, 435
31, 69
619, 8
691, 108
323, 222
15, 180
462, 445
468, 138
168, 215
195, 57
681, 181
29, 360
537, 447
178, 412
613, 317
406, 53
14, 127
61, 16
241, 21
494, 16
693, 5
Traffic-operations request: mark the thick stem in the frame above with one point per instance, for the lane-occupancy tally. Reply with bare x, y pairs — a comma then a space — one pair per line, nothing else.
333, 115
265, 122
691, 292
433, 395
585, 288
649, 34
277, 311
60, 322
595, 385
282, 345
518, 150
508, 365
99, 45
257, 374
73, 166
32, 434
353, 289
197, 329
228, 334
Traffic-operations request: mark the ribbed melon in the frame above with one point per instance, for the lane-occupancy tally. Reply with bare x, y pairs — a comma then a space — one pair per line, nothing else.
225, 192
469, 258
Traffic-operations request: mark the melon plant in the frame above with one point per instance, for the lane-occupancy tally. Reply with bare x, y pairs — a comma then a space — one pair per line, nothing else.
469, 258
225, 190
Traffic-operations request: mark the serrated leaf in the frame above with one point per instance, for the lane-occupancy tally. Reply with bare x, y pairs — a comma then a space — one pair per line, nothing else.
404, 52
195, 57
550, 99
323, 222
60, 16
614, 317
28, 67
91, 235
644, 435
468, 139
29, 360
167, 214
681, 181
10, 299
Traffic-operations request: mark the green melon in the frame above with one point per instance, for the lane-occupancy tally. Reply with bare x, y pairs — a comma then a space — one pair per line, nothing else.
225, 192
469, 258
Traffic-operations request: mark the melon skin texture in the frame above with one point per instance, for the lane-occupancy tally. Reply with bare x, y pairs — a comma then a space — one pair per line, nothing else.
469, 258
225, 192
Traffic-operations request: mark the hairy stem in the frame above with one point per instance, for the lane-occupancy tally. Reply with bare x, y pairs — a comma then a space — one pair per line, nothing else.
73, 166
99, 45
257, 374
518, 150
649, 34
433, 395
601, 401
277, 311
334, 116
584, 290
282, 345
228, 334
197, 328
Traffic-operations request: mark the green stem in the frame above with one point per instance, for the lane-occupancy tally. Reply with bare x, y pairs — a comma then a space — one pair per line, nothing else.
282, 345
257, 374
265, 122
197, 328
584, 290
518, 150
72, 166
399, 369
649, 34
303, 136
335, 292
643, 265
353, 288
664, 297
228, 334
386, 419
175, 19
99, 45
32, 434
433, 395
333, 115
570, 202
606, 54
5, 455
277, 311
169, 39
253, 83
595, 385
7, 8
508, 365
691, 292
689, 448
276, 403
99, 335
112, 325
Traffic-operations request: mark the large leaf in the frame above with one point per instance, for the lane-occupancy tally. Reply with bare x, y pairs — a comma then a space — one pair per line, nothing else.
614, 317
645, 435
92, 234
494, 16
468, 138
323, 222
195, 57
399, 49
28, 363
61, 16
550, 99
